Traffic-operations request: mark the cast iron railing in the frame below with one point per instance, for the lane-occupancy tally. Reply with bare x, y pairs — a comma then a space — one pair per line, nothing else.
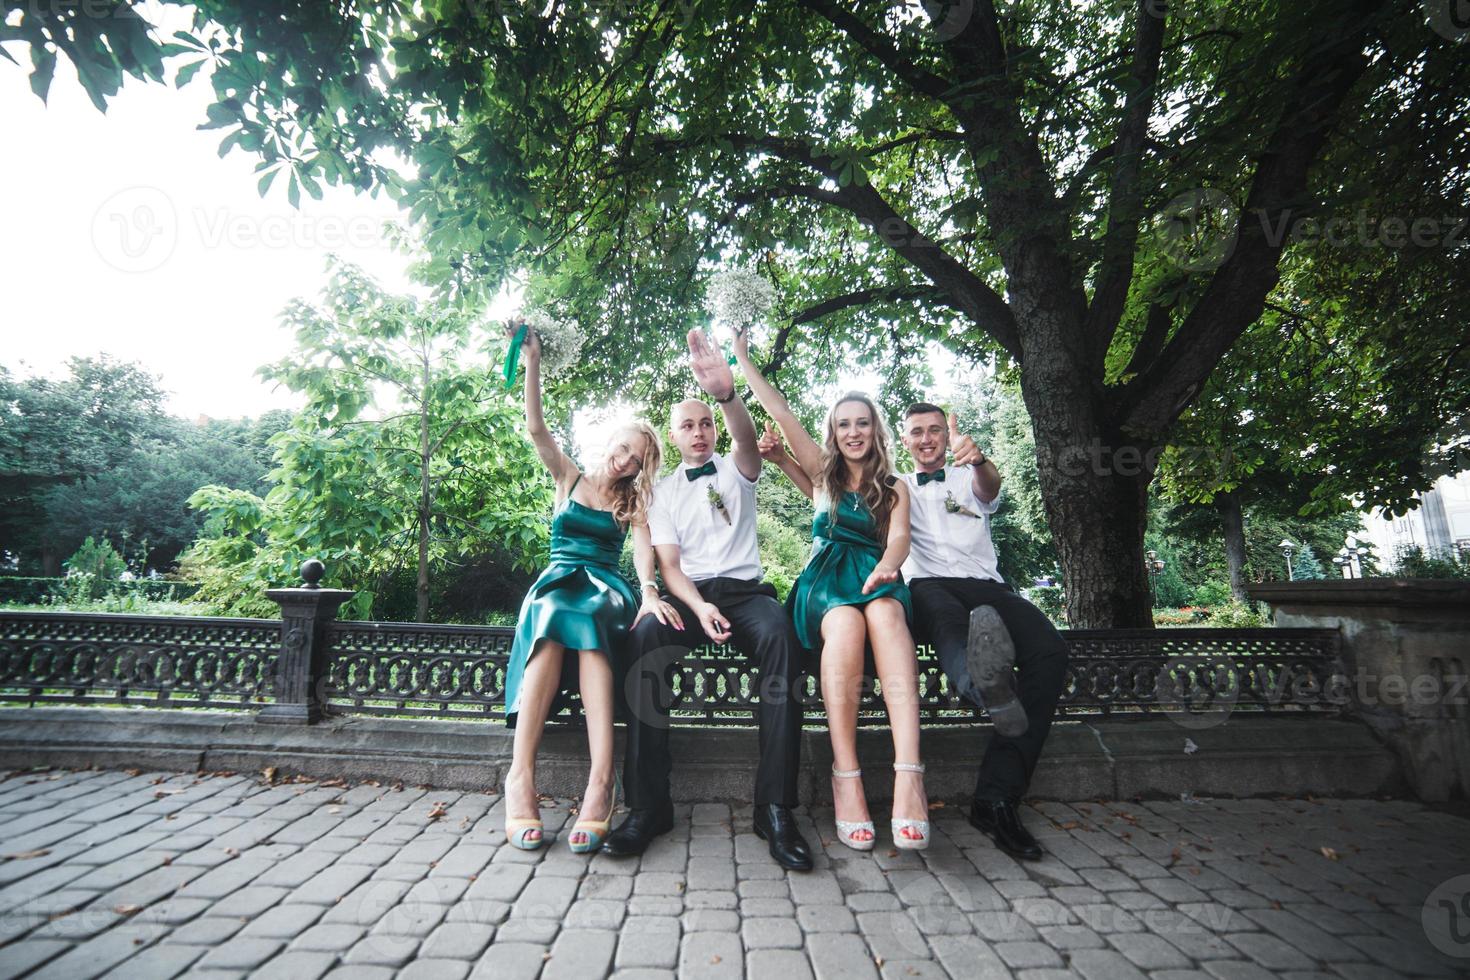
308, 664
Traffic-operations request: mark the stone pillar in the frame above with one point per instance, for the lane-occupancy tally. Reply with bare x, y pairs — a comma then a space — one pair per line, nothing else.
306, 614
1406, 647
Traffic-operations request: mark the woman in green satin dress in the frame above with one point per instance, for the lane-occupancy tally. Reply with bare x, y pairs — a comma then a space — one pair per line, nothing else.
850, 596
579, 604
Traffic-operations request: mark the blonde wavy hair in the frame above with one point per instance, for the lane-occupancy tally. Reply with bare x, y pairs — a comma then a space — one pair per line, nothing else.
632, 496
875, 483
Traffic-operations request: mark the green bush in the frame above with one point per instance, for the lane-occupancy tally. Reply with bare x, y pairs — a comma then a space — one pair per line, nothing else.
95, 565
1414, 563
1212, 593
1236, 616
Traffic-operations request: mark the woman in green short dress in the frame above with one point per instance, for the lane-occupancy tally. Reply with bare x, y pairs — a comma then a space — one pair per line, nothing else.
850, 596
581, 605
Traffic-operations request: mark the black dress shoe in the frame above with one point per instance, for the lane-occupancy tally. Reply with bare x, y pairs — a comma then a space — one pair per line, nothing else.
998, 820
990, 655
636, 832
777, 825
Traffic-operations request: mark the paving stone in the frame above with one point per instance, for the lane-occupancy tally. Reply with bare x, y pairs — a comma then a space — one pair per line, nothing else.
458, 940
210, 930
767, 933
283, 922
579, 954
826, 918
156, 963
595, 914
425, 968
295, 966
511, 961
711, 956
786, 964
710, 920
651, 941
18, 958
1269, 951
1148, 952
239, 954
1104, 964
838, 956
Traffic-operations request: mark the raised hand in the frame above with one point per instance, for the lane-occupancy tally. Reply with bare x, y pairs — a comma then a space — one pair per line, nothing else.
741, 342
962, 447
710, 368
770, 445
882, 575
531, 346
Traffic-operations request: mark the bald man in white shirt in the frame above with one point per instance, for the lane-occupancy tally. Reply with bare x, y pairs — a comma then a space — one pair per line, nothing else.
986, 636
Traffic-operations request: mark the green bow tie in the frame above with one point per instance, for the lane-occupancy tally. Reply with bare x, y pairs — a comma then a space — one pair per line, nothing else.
928, 477
694, 473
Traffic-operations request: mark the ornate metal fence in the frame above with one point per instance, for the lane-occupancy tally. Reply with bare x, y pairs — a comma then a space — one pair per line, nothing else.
410, 669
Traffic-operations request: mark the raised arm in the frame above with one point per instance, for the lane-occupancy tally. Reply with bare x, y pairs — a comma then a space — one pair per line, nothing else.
808, 454
897, 550
773, 450
563, 470
714, 376
966, 453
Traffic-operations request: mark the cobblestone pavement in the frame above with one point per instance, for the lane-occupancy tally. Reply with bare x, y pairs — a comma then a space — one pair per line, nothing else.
155, 874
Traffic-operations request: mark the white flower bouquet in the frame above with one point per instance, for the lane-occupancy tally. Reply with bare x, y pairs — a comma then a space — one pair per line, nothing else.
738, 299
561, 341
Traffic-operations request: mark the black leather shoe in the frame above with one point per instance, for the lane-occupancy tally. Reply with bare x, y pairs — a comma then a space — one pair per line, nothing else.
636, 832
776, 824
990, 655
999, 821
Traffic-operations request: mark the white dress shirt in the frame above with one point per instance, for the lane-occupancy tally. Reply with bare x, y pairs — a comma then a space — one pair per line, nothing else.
946, 544
709, 547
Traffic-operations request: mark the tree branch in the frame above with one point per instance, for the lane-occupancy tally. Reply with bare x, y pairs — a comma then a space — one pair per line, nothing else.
880, 46
1120, 243
1236, 295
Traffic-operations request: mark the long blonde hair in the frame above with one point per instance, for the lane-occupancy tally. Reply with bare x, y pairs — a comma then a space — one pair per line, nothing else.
632, 496
875, 483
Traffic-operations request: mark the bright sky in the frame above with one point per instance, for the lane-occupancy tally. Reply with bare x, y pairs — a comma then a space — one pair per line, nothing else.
136, 239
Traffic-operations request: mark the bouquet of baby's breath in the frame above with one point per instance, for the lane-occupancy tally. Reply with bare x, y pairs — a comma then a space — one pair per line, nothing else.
738, 298
561, 341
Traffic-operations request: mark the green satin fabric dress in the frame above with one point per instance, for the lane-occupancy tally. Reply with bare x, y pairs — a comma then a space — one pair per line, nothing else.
845, 550
580, 601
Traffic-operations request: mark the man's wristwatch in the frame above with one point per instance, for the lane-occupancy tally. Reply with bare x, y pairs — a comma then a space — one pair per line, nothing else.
730, 398
651, 585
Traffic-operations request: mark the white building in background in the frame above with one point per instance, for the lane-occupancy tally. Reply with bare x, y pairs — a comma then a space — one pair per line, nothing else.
1439, 526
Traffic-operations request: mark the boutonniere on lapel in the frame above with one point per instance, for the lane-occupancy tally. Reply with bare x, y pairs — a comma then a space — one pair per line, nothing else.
955, 507
717, 502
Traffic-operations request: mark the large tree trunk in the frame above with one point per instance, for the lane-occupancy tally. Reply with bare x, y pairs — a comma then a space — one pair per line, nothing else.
1229, 507
1094, 486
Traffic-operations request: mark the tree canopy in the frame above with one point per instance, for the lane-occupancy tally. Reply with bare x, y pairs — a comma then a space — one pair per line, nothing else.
1107, 196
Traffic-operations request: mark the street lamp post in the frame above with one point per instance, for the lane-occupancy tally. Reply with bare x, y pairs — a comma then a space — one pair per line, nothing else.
1153, 564
1347, 560
1287, 546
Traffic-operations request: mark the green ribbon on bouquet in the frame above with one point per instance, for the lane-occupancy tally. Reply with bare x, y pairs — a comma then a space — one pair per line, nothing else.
513, 356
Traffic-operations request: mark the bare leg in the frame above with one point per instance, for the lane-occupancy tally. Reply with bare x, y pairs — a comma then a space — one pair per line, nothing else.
843, 636
538, 689
595, 679
898, 672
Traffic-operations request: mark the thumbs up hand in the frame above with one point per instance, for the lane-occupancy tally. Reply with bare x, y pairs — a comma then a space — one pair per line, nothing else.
962, 447
770, 446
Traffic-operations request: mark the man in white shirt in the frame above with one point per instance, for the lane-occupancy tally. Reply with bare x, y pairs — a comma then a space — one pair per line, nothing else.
985, 635
703, 527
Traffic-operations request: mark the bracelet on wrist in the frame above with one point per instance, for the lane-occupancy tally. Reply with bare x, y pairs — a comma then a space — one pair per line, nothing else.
651, 585
729, 399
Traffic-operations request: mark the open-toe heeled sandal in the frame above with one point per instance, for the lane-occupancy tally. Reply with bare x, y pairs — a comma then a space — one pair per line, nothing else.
846, 828
900, 824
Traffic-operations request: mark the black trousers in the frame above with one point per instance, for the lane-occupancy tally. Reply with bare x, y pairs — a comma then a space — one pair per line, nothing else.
942, 614
760, 629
